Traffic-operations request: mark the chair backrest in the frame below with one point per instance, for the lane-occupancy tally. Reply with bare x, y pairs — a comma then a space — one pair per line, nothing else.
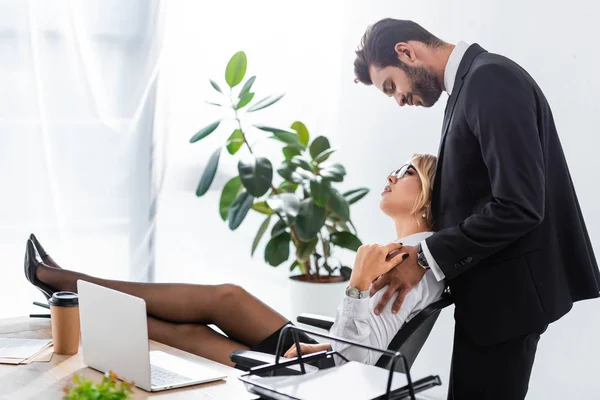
412, 336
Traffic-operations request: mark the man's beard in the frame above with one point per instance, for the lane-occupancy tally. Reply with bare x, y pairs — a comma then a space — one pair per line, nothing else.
424, 84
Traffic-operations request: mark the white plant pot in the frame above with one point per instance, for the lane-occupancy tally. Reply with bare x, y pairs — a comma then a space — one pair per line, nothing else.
315, 298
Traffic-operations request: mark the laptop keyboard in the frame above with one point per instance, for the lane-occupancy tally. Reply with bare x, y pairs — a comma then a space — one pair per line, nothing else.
163, 377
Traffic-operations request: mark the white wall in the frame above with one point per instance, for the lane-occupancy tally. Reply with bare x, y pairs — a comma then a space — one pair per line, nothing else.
557, 43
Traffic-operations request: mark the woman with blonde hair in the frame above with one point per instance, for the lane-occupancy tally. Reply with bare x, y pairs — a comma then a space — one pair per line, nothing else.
179, 314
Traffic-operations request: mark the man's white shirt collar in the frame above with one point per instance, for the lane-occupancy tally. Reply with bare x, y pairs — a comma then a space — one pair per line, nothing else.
452, 66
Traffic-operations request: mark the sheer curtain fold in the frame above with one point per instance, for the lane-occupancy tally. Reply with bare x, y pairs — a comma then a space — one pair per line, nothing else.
77, 131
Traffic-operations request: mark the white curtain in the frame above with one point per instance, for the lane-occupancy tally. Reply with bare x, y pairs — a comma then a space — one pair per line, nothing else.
79, 129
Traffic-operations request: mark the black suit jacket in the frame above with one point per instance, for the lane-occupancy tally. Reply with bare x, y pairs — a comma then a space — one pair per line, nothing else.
512, 241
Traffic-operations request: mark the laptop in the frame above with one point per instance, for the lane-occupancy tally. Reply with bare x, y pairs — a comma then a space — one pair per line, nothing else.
114, 337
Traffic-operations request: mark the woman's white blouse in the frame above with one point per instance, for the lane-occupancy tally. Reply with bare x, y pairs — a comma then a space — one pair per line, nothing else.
356, 319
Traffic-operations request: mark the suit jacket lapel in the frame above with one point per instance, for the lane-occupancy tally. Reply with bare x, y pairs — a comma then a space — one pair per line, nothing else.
465, 64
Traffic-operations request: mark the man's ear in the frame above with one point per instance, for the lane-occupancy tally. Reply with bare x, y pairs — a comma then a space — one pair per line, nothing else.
405, 52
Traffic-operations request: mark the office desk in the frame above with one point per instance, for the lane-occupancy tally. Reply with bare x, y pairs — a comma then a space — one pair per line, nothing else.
45, 380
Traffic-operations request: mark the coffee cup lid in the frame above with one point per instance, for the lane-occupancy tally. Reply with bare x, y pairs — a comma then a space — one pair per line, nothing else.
64, 299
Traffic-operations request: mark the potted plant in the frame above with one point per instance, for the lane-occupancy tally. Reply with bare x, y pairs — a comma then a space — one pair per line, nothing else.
109, 389
302, 207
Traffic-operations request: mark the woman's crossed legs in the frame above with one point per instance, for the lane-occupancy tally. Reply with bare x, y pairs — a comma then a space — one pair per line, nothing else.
178, 314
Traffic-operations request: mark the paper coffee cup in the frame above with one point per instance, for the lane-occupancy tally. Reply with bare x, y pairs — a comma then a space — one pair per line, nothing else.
64, 315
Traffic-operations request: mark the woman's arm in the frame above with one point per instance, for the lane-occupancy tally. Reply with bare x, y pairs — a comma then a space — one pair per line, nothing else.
355, 320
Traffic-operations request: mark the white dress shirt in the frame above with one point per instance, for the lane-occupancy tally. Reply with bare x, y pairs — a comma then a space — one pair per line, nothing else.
449, 78
356, 319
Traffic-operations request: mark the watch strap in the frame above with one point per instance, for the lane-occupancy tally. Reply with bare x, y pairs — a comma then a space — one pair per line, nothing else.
356, 293
421, 259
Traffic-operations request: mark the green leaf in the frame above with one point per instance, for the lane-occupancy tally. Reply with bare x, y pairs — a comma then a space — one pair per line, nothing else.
204, 132
310, 220
285, 137
256, 174
319, 145
264, 103
278, 249
335, 166
216, 86
244, 100
305, 249
300, 128
346, 240
235, 141
320, 191
341, 225
332, 175
339, 205
355, 195
271, 129
236, 69
279, 227
285, 204
288, 187
260, 233
299, 161
290, 151
247, 86
324, 155
288, 172
209, 173
228, 195
214, 104
282, 135
306, 175
262, 207
346, 272
294, 265
239, 209
333, 172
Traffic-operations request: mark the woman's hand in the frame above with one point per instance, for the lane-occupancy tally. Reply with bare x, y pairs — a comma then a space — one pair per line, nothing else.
306, 348
373, 261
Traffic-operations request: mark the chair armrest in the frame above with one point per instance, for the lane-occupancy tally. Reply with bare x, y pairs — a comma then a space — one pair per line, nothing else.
318, 321
247, 359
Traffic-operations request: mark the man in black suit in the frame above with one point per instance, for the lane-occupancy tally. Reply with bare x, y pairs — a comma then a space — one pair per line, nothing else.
511, 241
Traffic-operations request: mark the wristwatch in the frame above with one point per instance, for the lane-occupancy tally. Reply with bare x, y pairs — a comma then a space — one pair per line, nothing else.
356, 293
421, 259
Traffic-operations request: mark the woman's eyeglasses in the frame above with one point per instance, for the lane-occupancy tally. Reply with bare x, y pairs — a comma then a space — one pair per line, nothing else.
400, 172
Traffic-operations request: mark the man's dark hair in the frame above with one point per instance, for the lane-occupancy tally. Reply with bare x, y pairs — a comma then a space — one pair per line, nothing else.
377, 45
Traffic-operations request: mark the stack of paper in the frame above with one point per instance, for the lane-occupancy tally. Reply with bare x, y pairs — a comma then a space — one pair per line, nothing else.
24, 351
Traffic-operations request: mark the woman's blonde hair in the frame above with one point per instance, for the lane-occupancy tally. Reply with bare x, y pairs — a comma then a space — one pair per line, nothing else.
425, 166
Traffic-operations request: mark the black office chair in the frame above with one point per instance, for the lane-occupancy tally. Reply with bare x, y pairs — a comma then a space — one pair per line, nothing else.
408, 341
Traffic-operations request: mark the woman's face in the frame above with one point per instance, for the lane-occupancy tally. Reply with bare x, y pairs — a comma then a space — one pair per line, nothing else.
401, 191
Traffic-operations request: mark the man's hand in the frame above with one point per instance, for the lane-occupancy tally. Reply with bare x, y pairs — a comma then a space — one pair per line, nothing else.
306, 348
399, 279
374, 260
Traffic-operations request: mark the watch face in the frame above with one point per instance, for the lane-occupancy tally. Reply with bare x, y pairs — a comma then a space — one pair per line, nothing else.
352, 292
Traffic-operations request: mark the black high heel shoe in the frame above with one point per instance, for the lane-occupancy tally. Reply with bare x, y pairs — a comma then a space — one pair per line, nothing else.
31, 265
46, 259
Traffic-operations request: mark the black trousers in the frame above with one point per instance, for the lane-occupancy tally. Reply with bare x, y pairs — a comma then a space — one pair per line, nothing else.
500, 371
